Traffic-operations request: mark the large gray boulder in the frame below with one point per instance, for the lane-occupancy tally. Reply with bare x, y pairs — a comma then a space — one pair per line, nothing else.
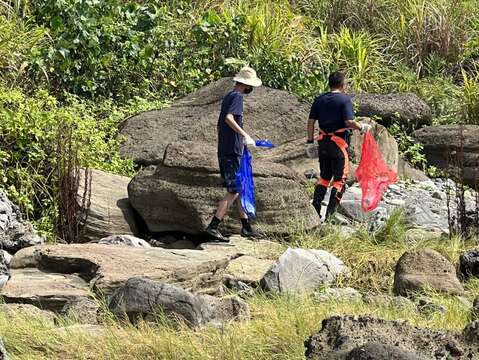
15, 232
147, 299
301, 271
182, 193
418, 270
407, 108
349, 337
110, 212
441, 143
469, 264
269, 113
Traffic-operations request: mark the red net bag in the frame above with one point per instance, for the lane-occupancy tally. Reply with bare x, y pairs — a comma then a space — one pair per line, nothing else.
373, 175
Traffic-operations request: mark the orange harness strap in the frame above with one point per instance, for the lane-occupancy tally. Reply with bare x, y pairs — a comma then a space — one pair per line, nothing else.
343, 145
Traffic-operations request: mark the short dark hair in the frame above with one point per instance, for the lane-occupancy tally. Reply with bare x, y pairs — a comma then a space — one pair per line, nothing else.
336, 80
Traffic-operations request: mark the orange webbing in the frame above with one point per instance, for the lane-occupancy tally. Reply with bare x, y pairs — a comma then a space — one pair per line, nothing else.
323, 182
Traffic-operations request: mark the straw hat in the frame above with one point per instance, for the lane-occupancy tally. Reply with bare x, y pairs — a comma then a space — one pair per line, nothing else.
248, 76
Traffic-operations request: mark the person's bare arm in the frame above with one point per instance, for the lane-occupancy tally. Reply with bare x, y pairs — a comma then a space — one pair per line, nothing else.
310, 129
230, 120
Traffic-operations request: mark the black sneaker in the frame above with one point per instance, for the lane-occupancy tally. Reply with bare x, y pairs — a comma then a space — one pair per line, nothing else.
249, 233
216, 235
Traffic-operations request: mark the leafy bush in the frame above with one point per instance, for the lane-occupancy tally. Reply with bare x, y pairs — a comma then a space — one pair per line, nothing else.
28, 133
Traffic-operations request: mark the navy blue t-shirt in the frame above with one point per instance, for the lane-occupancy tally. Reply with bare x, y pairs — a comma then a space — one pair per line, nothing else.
332, 110
230, 142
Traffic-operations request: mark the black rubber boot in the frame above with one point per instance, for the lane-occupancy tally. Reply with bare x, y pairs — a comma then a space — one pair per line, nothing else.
213, 231
319, 194
334, 200
247, 230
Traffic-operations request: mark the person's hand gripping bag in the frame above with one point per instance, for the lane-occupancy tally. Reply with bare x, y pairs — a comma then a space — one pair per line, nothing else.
373, 174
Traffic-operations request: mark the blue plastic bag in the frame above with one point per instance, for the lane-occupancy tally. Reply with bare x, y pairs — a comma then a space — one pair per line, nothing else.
264, 143
245, 184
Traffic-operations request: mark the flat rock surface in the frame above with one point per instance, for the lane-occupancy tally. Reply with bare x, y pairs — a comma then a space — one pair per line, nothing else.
107, 267
250, 259
49, 291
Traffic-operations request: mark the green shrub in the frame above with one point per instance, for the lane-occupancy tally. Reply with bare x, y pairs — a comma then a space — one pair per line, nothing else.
28, 134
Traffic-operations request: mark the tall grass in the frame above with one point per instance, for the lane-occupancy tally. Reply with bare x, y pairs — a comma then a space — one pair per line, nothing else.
470, 97
277, 330
18, 43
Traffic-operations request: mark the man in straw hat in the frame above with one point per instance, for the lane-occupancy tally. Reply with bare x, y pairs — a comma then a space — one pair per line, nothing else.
231, 140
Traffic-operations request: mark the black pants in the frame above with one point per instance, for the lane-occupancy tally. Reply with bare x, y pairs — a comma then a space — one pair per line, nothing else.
334, 167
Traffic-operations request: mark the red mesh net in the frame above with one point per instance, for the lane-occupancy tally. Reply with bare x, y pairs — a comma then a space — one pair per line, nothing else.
373, 175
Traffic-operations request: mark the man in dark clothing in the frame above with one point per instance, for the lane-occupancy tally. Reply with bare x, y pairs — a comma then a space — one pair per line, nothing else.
231, 140
335, 116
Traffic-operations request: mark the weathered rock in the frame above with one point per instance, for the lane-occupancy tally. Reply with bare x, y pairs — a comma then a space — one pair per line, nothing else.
428, 306
183, 192
469, 264
250, 260
303, 271
225, 309
380, 300
26, 311
125, 240
247, 269
407, 172
417, 270
471, 332
422, 209
82, 310
147, 299
269, 113
442, 142
4, 270
7, 258
15, 233
46, 290
107, 267
407, 108
110, 212
378, 351
3, 351
341, 335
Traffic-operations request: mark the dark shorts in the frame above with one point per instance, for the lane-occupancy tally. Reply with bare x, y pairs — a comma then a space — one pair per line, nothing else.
229, 166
